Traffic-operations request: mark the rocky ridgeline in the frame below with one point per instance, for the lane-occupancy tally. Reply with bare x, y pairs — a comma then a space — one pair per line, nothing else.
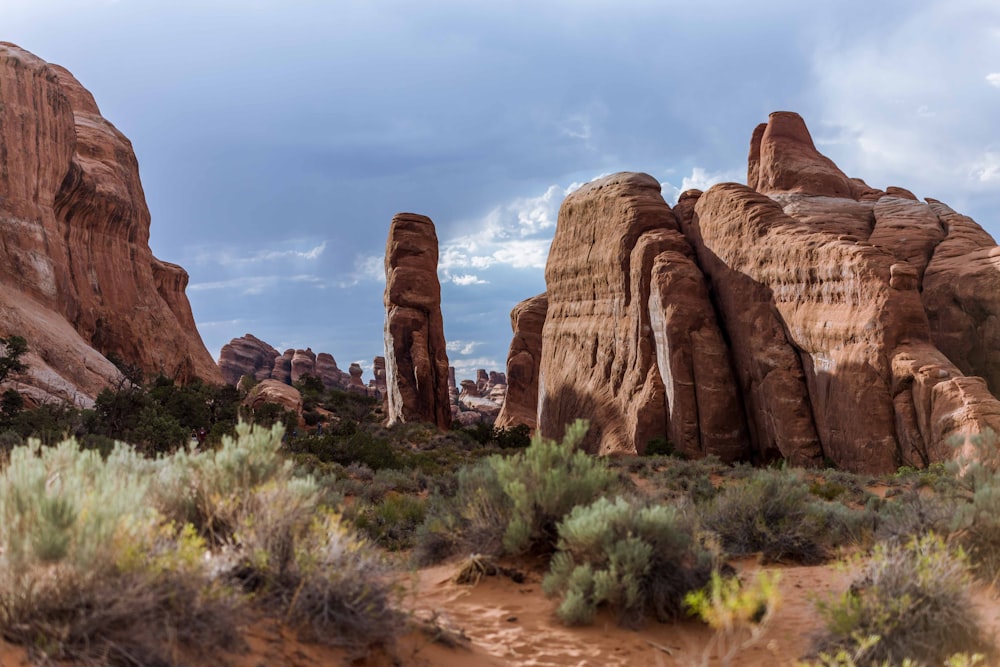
250, 356
77, 277
804, 316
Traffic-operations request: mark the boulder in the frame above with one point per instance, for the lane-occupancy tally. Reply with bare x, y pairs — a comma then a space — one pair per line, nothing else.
278, 393
415, 353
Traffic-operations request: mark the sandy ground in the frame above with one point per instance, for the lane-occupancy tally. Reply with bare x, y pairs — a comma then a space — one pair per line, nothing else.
506, 623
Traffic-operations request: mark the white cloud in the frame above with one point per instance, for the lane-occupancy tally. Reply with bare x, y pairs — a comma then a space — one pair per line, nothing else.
367, 267
912, 110
234, 258
468, 279
251, 285
516, 234
465, 369
700, 179
576, 126
462, 346
987, 170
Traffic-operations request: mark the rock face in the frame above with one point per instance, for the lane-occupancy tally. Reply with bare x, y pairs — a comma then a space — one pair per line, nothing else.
600, 357
378, 383
76, 241
247, 355
523, 360
273, 391
805, 316
415, 355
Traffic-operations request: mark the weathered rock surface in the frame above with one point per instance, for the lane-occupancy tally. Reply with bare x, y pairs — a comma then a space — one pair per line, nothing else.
273, 391
247, 355
806, 316
598, 359
415, 354
282, 368
76, 241
329, 373
521, 403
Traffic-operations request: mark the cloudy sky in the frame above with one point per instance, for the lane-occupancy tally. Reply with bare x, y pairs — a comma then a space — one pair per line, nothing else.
277, 138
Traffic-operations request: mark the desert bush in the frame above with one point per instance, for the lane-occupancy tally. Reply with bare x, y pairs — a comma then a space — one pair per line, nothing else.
472, 519
637, 560
772, 513
513, 504
391, 523
915, 514
659, 446
546, 481
90, 572
326, 582
274, 538
9, 440
977, 515
914, 598
739, 615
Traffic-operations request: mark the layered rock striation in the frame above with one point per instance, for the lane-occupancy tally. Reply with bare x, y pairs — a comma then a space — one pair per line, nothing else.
804, 316
76, 271
416, 360
250, 356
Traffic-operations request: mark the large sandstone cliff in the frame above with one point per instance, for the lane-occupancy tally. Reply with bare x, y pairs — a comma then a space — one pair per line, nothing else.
416, 360
804, 316
76, 271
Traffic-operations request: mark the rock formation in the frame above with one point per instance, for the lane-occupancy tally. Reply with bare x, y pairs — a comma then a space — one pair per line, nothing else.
378, 383
329, 373
805, 316
600, 358
521, 403
247, 355
415, 354
76, 242
273, 391
282, 368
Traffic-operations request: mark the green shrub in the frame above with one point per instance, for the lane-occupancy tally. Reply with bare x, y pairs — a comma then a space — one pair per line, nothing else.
914, 598
545, 482
473, 519
514, 504
914, 514
659, 446
774, 514
325, 582
637, 560
977, 519
738, 614
91, 572
391, 523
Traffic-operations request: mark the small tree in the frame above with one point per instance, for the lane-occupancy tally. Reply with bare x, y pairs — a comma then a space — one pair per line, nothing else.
14, 347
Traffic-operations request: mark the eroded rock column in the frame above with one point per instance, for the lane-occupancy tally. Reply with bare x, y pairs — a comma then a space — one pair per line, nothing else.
416, 361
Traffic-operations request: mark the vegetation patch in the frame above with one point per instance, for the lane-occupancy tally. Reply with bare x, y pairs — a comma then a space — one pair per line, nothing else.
637, 560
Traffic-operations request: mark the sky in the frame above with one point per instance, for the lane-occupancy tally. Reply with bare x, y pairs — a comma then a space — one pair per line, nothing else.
276, 139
